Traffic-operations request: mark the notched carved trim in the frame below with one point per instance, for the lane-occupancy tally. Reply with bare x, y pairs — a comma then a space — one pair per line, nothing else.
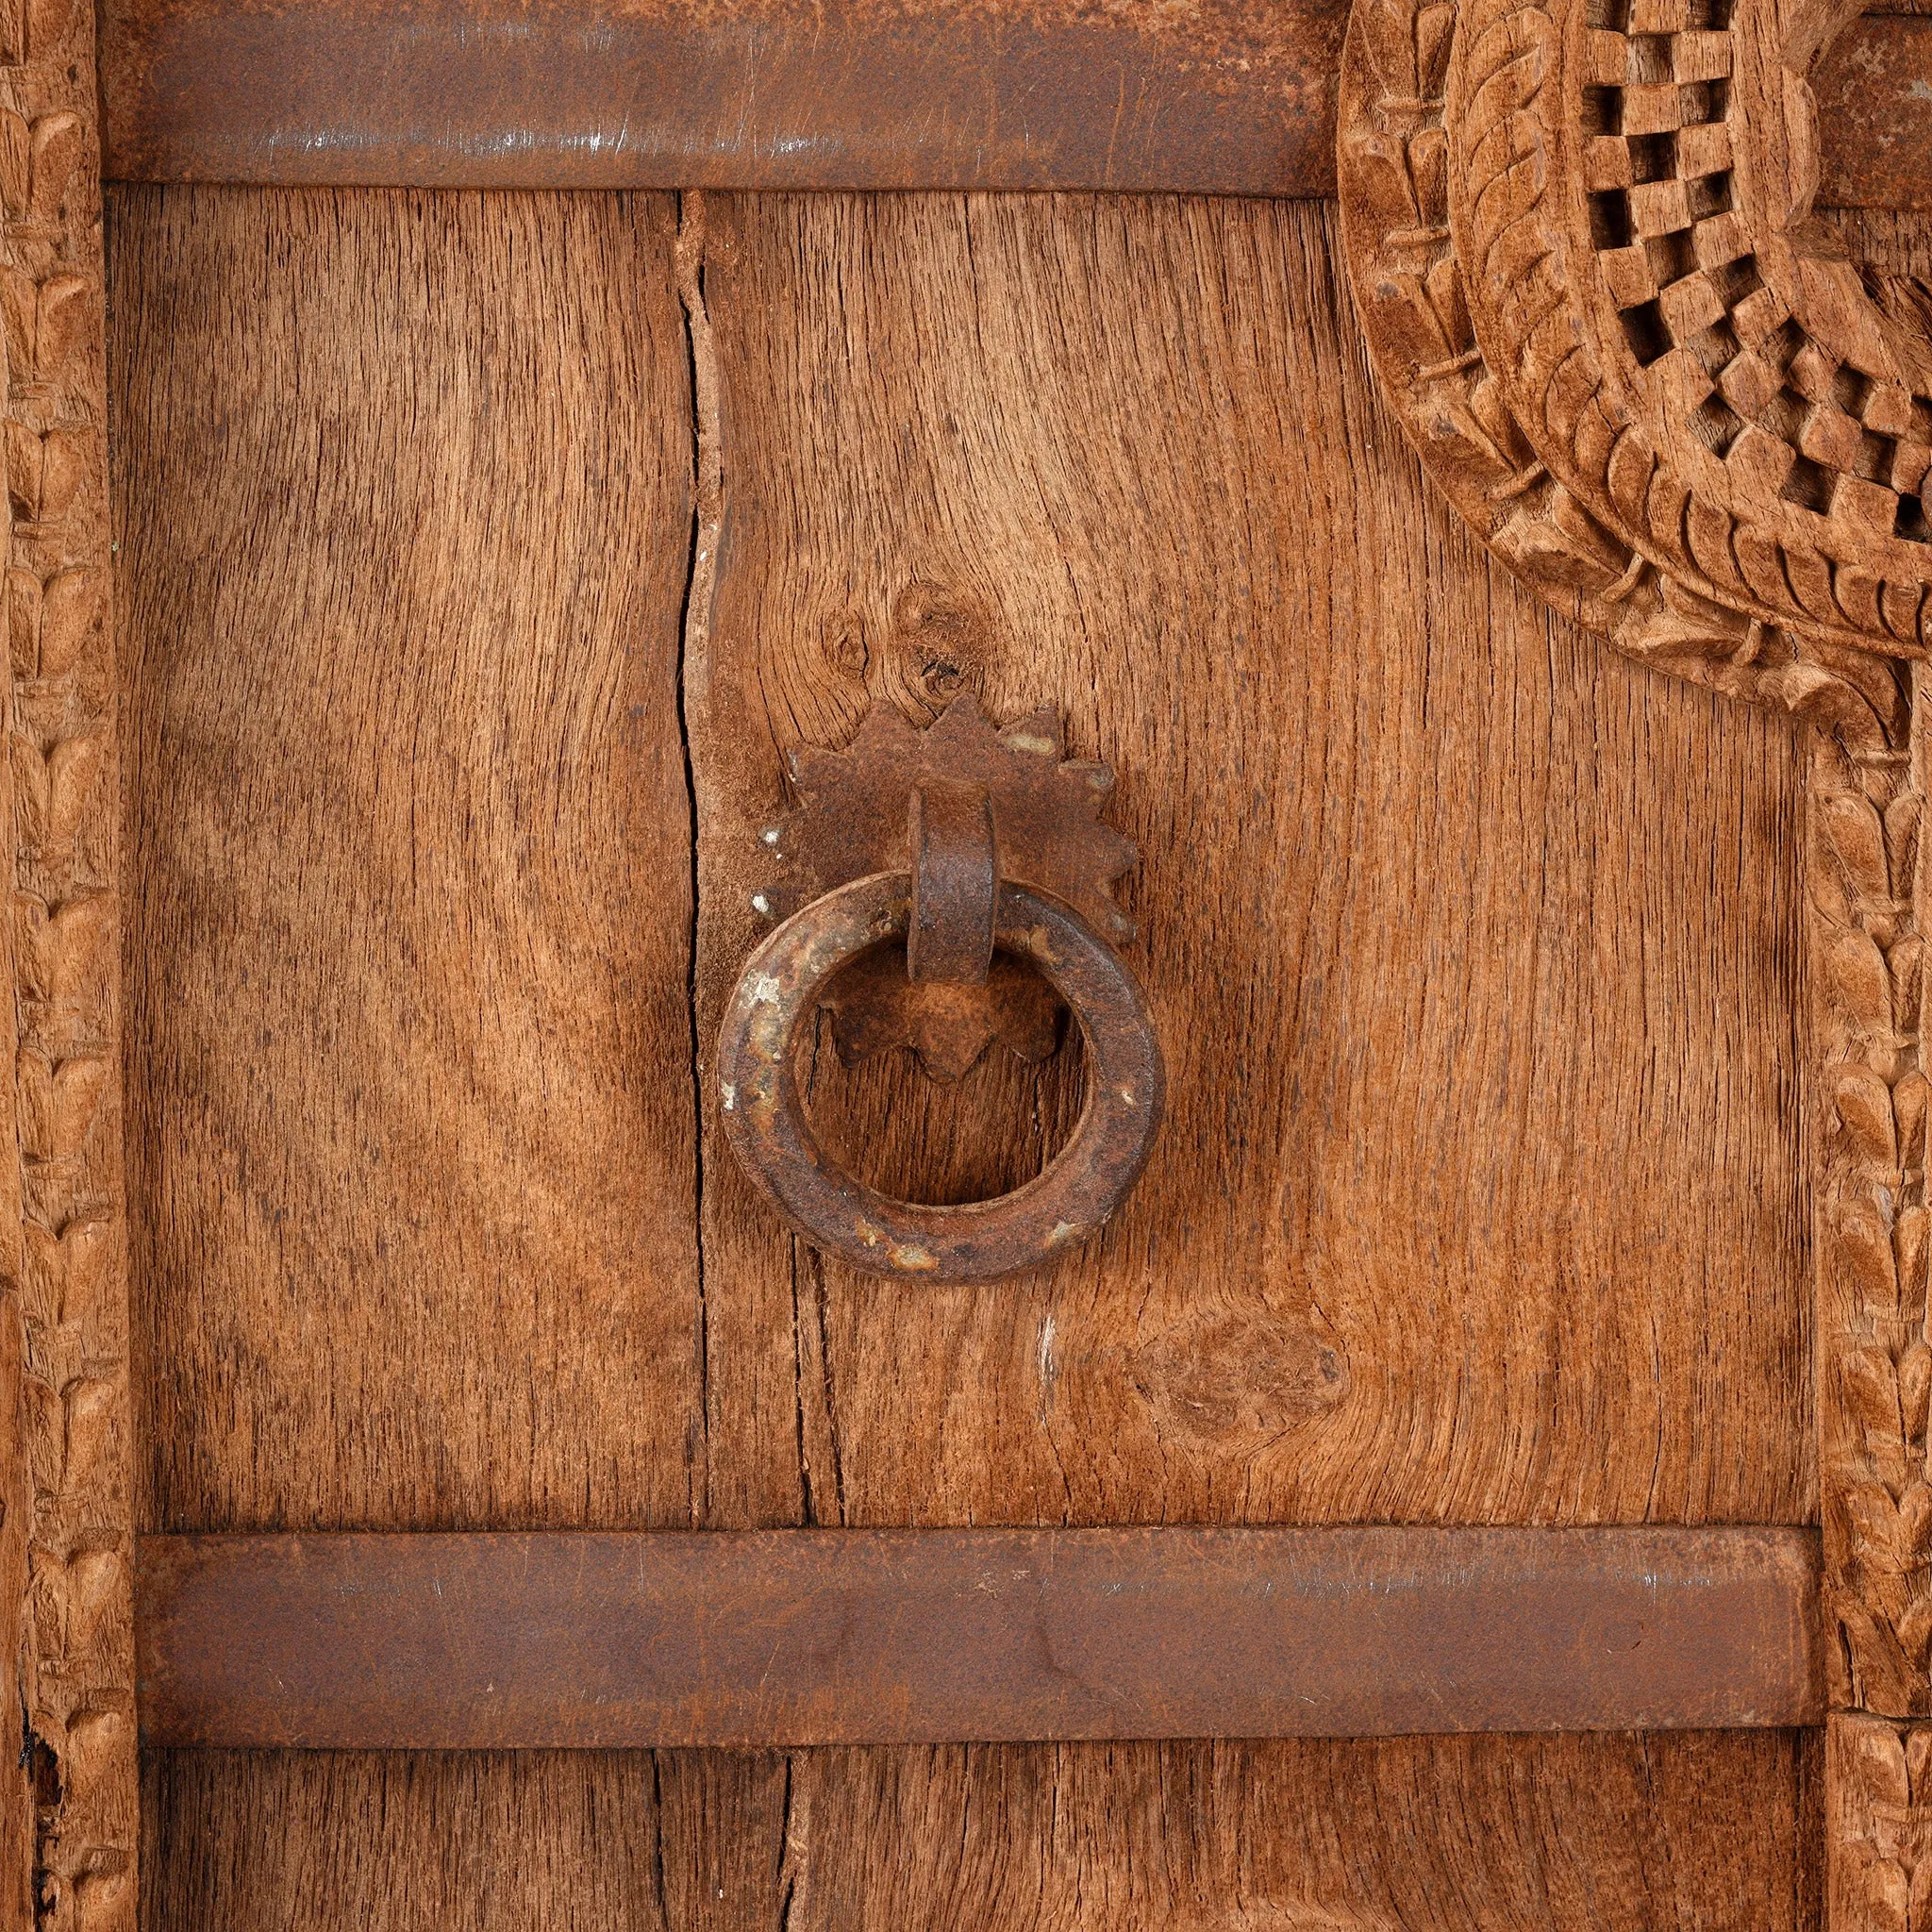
65, 1298
1866, 869
1878, 1779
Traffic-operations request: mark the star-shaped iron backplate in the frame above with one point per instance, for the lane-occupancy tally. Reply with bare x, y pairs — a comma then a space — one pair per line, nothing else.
851, 821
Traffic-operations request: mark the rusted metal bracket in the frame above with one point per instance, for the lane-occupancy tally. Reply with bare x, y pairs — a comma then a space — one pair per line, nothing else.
956, 881
981, 849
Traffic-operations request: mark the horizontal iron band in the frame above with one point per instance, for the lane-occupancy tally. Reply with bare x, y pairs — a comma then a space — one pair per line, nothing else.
779, 1638
1227, 97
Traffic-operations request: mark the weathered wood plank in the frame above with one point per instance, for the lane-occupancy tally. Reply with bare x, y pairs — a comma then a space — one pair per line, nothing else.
1396, 1224
538, 1841
403, 501
491, 1641
1471, 1835
1573, 1834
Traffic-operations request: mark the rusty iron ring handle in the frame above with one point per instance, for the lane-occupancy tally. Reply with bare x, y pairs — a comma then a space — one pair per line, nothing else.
764, 1116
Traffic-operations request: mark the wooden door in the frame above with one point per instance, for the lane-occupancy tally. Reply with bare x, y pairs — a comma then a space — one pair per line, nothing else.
483, 547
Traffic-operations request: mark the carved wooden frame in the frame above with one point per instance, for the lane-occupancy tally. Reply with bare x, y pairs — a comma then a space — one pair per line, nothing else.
69, 1804
1581, 239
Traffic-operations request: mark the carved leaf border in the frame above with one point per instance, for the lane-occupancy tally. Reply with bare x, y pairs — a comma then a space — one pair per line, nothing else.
70, 1811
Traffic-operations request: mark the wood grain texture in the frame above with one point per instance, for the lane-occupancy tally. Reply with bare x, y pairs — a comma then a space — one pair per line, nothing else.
1473, 948
1894, 250
338, 1840
403, 500
1475, 1835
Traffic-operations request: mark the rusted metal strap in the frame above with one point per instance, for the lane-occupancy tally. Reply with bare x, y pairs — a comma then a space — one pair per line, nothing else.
1219, 97
822, 1637
956, 883
1223, 96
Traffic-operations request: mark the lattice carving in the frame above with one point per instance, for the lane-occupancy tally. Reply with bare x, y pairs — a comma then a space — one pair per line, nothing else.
1580, 241
65, 1302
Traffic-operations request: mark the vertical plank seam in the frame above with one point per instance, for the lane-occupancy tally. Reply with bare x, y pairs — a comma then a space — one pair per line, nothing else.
693, 700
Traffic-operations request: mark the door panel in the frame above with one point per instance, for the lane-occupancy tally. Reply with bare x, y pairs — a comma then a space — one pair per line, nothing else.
1474, 949
1482, 1203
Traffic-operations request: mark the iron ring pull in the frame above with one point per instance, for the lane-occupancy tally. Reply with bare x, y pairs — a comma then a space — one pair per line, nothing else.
764, 1114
